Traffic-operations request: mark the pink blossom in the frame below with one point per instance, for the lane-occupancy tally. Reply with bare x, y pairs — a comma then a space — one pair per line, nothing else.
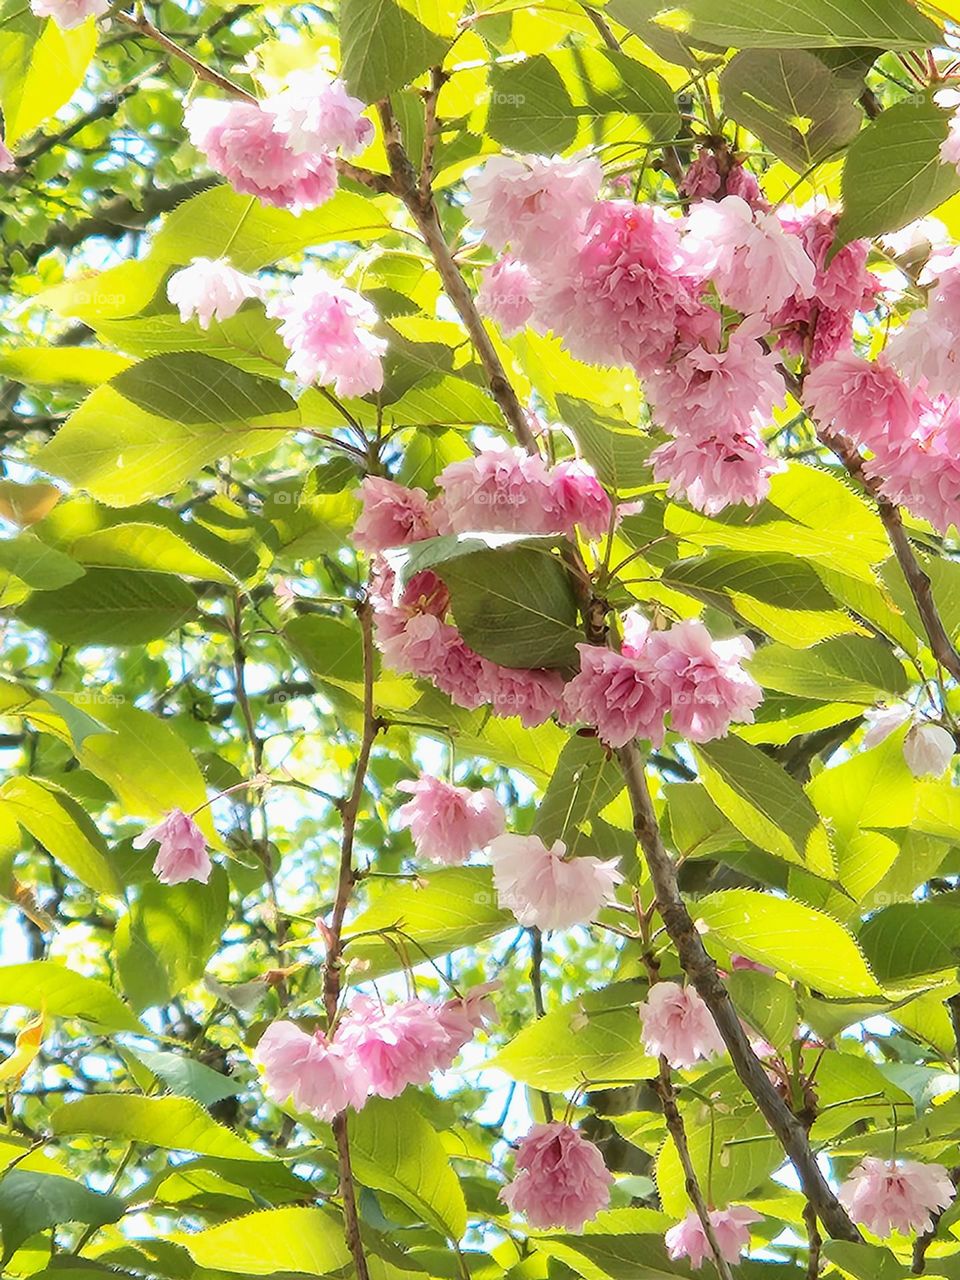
561, 1179
923, 472
703, 387
754, 263
459, 672
210, 290
625, 295
393, 1045
620, 695
393, 515
706, 685
928, 749
866, 400
69, 13
419, 647
393, 606
731, 1229
327, 328
532, 694
950, 147
462, 1017
8, 161
310, 1070
315, 114
678, 1025
241, 141
716, 471
578, 499
896, 1195
506, 295
704, 181
545, 888
183, 849
448, 823
500, 489
926, 350
534, 203
842, 287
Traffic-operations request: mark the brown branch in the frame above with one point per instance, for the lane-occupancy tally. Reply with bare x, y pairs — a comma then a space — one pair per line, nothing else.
332, 972
924, 1241
424, 213
918, 581
814, 1241
200, 69
536, 982
700, 968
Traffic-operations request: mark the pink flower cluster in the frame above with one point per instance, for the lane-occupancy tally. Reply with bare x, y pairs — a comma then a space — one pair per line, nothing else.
678, 1025
375, 1049
283, 150
682, 673
328, 330
731, 1230
183, 849
896, 1195
626, 284
210, 290
449, 823
546, 888
68, 14
561, 1179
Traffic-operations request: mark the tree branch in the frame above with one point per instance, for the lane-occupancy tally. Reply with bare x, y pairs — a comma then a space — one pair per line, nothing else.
700, 968
941, 646
333, 964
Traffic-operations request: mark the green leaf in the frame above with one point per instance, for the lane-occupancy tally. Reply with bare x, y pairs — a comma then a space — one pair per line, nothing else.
248, 340
31, 1202
165, 940
49, 366
62, 993
300, 1240
546, 102
221, 221
910, 941
393, 1149
792, 102
514, 606
873, 789
384, 46
151, 548
586, 779
801, 943
34, 564
764, 803
769, 1005
112, 607
187, 1078
619, 454
893, 172
188, 387
800, 24
63, 827
41, 67
596, 1037
455, 907
732, 1152
176, 1124
850, 668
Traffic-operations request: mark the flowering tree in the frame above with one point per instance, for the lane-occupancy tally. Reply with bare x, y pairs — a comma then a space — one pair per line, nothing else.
480, 502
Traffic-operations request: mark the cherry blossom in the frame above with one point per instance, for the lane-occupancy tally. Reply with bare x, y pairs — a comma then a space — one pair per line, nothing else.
755, 264
8, 161
328, 330
448, 823
210, 289
896, 1195
578, 500
716, 470
561, 1179
499, 489
241, 141
923, 471
532, 694
928, 749
69, 13
535, 204
544, 887
678, 1025
315, 113
183, 849
462, 1017
882, 721
393, 515
506, 294
315, 1074
866, 400
393, 1045
731, 1229
707, 686
621, 696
